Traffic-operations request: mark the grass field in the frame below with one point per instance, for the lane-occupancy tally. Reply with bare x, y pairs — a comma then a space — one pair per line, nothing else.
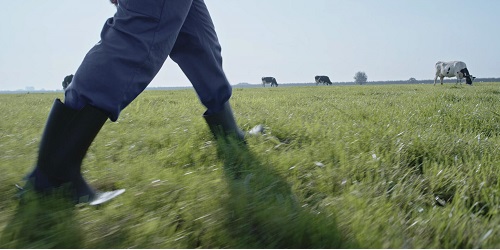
389, 166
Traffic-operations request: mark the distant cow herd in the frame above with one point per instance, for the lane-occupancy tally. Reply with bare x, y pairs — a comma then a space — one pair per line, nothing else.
325, 80
456, 69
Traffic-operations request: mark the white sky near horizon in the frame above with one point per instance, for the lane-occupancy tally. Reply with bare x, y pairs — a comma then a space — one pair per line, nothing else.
292, 40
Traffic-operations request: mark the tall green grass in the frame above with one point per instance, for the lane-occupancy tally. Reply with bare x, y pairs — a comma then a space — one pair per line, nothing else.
390, 166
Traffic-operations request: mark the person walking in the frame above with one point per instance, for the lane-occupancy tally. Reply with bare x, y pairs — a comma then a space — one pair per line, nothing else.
134, 44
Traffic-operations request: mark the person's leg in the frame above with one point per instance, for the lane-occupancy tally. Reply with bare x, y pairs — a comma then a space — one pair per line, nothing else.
198, 53
134, 44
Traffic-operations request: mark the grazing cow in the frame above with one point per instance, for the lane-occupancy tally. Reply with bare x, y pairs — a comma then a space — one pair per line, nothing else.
269, 80
67, 80
453, 69
325, 80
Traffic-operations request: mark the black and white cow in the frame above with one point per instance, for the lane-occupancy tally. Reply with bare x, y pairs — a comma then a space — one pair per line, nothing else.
325, 80
456, 69
67, 80
269, 80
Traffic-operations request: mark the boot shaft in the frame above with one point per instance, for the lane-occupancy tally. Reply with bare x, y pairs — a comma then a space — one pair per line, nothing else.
223, 124
66, 138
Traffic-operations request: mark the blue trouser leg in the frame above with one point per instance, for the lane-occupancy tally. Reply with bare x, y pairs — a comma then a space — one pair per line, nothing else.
134, 45
198, 53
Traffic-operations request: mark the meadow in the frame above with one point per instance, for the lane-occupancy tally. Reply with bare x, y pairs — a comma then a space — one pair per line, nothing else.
387, 166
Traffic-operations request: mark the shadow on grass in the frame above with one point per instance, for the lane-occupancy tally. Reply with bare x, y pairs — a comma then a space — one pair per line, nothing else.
47, 222
263, 211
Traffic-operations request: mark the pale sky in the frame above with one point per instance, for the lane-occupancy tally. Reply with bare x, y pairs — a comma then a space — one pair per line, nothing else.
292, 40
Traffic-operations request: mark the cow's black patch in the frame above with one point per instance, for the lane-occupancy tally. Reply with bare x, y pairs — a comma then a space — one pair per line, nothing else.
468, 80
465, 71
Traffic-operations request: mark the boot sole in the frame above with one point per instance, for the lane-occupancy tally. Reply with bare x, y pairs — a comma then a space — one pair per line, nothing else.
103, 197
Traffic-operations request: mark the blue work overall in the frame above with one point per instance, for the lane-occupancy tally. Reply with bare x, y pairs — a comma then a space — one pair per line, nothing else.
135, 43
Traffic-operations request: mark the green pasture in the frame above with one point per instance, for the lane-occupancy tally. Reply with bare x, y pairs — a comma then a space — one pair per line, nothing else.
387, 166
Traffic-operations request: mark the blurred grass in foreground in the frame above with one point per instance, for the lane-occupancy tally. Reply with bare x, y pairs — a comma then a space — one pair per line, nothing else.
390, 166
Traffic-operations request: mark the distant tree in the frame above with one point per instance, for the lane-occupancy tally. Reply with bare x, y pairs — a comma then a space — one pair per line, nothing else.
360, 77
412, 80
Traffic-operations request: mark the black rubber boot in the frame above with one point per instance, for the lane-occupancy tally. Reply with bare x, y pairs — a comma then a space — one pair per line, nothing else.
67, 136
223, 124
